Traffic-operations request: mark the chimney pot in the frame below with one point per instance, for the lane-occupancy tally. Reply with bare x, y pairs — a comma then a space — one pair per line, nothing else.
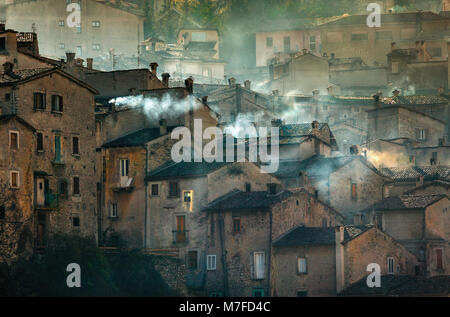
396, 93
162, 127
8, 67
189, 84
276, 122
89, 62
247, 84
232, 81
154, 68
70, 57
205, 99
165, 81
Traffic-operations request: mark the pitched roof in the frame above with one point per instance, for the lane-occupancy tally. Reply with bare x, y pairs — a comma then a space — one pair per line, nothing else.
352, 232
299, 129
7, 117
316, 166
286, 25
238, 200
407, 174
136, 138
306, 236
432, 183
184, 170
407, 17
405, 202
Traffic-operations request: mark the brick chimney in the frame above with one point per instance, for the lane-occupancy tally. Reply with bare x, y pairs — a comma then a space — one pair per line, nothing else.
248, 84
377, 99
154, 68
330, 90
440, 91
232, 81
70, 57
162, 127
165, 79
89, 62
396, 93
8, 67
205, 99
315, 93
189, 84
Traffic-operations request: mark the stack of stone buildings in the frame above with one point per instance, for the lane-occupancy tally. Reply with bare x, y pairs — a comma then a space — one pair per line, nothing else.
89, 153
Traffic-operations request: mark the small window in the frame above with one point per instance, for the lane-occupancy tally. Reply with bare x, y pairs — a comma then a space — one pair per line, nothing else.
439, 259
155, 190
95, 24
62, 188
76, 222
384, 35
76, 185
269, 42
248, 187
287, 44
114, 213
395, 67
2, 43
421, 134
211, 263
40, 142
301, 266
61, 46
236, 225
75, 146
187, 196
39, 101
7, 97
354, 191
173, 190
435, 51
391, 265
96, 47
192, 260
13, 140
312, 43
61, 23
2, 212
259, 259
14, 179
215, 294
57, 103
272, 188
324, 222
124, 167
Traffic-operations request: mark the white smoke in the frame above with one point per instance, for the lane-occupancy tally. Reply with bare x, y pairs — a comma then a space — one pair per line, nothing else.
155, 108
244, 125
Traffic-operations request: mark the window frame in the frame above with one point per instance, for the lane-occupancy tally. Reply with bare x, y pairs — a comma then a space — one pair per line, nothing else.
57, 103
191, 261
40, 149
174, 194
11, 173
43, 99
157, 190
78, 186
441, 266
269, 42
305, 271
96, 24
114, 210
389, 261
11, 132
239, 227
209, 262
77, 152
262, 274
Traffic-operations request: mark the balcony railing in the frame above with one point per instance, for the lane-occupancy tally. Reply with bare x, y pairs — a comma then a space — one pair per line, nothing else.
51, 202
180, 236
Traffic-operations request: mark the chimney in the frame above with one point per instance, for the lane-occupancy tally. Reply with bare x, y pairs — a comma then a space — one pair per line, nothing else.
232, 81
2, 27
162, 127
315, 125
89, 62
165, 79
276, 123
377, 99
393, 46
8, 67
273, 188
70, 57
333, 55
205, 99
304, 51
330, 91
396, 93
325, 55
154, 68
440, 91
189, 84
247, 84
315, 93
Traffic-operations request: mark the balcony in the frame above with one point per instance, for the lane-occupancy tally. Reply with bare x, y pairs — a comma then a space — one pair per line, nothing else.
180, 236
51, 202
125, 185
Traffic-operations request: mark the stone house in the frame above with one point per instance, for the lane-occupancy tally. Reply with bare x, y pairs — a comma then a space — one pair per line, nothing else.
432, 187
324, 261
420, 223
395, 121
243, 225
431, 155
61, 109
178, 193
285, 37
17, 219
92, 38
302, 73
345, 182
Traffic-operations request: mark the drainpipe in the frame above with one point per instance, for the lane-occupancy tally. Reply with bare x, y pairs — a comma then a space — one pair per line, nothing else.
224, 262
146, 196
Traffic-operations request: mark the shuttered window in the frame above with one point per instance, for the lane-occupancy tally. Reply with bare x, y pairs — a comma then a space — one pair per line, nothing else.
259, 265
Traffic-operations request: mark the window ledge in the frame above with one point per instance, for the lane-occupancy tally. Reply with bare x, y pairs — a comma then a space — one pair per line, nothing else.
76, 156
57, 112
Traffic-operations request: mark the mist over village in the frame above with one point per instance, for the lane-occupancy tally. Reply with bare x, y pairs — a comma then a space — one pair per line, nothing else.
224, 148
